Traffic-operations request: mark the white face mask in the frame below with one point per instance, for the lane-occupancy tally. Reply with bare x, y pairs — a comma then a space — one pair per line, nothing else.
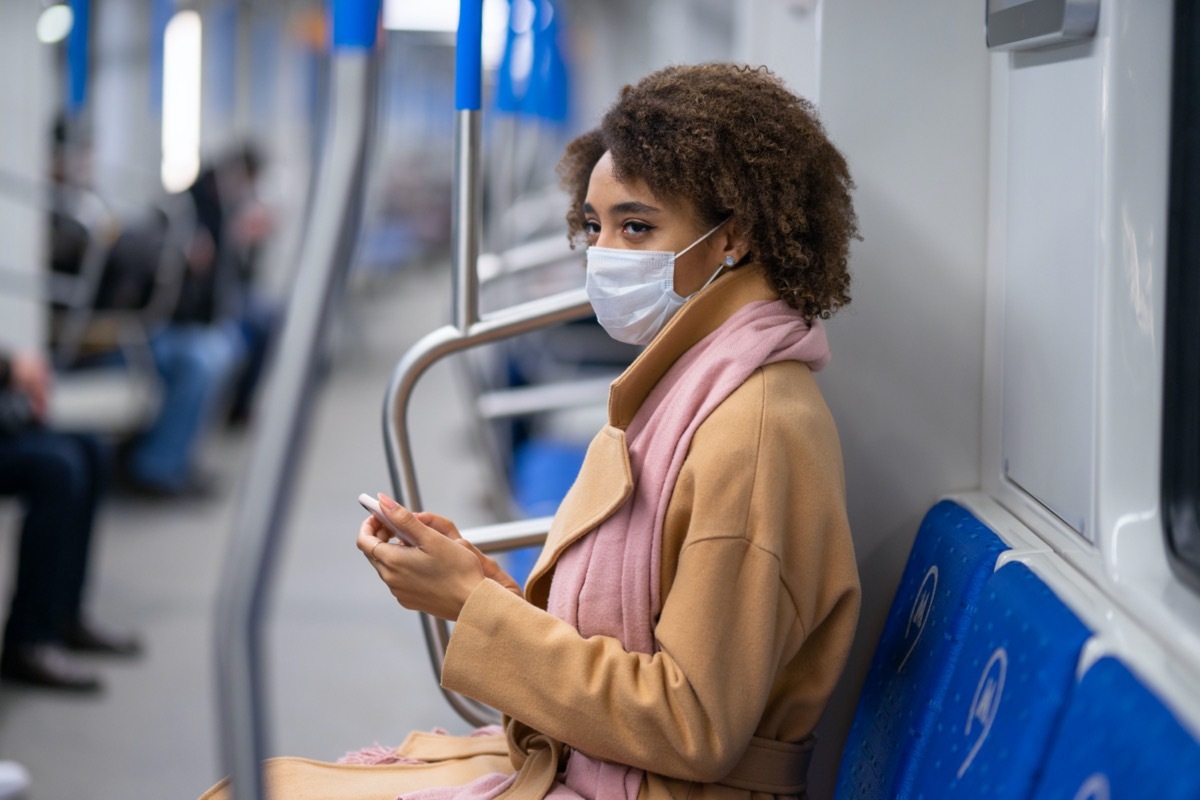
633, 291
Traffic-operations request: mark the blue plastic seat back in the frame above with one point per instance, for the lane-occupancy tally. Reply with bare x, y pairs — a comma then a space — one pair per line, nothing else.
1008, 693
951, 559
1118, 740
543, 471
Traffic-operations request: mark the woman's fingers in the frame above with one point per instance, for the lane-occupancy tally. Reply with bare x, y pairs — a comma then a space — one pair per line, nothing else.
411, 530
492, 569
436, 576
439, 524
371, 534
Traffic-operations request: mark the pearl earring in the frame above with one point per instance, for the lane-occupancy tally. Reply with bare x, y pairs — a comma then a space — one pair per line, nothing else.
728, 261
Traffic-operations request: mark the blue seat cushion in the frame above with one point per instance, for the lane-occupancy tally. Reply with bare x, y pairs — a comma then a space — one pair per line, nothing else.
1117, 740
951, 559
1007, 695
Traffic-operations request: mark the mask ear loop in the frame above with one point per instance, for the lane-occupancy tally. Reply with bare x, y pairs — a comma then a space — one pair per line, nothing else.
702, 238
727, 263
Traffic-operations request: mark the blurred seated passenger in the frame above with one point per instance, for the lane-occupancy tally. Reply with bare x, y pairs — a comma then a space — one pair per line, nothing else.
220, 287
196, 361
697, 595
197, 364
58, 478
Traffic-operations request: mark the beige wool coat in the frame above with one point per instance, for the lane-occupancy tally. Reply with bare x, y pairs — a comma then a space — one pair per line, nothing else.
760, 600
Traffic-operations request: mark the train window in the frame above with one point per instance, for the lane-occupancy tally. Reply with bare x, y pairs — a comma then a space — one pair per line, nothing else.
1181, 368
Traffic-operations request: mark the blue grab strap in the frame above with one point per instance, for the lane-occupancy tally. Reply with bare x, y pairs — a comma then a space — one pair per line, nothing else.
468, 56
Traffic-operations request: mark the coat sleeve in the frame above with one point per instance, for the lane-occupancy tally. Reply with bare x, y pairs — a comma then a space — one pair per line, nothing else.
689, 710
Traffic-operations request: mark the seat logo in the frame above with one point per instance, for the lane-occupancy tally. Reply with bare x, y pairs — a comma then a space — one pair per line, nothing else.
1094, 788
921, 608
986, 703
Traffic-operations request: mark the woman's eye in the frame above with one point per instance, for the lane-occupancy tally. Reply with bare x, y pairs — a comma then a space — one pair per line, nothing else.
591, 228
637, 228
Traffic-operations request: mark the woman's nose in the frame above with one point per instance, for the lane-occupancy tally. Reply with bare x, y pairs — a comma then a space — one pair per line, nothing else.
607, 239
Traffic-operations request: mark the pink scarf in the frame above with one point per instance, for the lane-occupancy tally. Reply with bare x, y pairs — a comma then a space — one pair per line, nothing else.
607, 583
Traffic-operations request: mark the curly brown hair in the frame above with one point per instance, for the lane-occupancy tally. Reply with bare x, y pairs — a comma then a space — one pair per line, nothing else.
733, 141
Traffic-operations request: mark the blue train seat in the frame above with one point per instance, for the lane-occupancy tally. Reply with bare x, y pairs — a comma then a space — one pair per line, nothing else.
543, 471
1008, 693
953, 556
1118, 740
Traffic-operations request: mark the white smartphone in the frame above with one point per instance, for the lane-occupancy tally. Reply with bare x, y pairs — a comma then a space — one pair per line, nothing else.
372, 505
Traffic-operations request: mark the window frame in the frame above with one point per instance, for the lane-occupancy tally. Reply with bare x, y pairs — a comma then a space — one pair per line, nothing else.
1180, 444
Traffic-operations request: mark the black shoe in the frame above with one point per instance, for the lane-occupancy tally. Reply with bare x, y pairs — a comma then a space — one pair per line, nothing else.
48, 665
86, 636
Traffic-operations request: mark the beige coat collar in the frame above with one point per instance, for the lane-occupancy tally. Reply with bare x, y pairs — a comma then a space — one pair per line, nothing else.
698, 317
605, 480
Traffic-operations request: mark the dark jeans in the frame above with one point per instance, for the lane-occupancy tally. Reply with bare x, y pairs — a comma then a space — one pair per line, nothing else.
58, 478
259, 322
197, 364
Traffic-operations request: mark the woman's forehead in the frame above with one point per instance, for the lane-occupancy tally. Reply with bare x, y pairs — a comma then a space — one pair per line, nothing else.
605, 189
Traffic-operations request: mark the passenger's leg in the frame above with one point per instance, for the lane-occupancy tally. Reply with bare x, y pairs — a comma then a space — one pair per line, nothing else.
82, 632
50, 472
259, 324
197, 363
75, 561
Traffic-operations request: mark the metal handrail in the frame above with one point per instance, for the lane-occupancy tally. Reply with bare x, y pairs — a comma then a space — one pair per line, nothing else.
443, 342
468, 330
543, 252
541, 398
78, 292
262, 513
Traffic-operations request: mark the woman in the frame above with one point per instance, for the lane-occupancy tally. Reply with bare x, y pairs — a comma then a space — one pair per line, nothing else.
694, 604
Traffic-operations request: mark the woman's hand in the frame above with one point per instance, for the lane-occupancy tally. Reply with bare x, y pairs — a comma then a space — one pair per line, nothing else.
491, 569
437, 575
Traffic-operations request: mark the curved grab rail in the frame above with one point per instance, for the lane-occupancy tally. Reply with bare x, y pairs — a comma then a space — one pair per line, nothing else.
468, 330
445, 341
325, 256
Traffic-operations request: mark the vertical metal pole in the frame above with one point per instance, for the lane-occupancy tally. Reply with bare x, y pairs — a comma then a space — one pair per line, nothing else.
468, 211
469, 330
468, 207
468, 197
266, 494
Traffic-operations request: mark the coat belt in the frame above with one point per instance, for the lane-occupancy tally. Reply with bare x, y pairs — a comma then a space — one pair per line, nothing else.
773, 767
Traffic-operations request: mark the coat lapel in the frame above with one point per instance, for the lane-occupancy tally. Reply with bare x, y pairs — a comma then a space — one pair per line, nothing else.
603, 484
605, 481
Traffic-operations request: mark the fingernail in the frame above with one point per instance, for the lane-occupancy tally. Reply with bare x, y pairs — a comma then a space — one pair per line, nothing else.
387, 503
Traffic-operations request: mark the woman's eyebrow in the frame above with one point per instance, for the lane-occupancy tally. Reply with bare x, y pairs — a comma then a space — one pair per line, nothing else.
627, 207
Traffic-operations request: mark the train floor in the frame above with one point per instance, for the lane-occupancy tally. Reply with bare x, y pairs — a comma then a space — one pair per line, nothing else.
346, 667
